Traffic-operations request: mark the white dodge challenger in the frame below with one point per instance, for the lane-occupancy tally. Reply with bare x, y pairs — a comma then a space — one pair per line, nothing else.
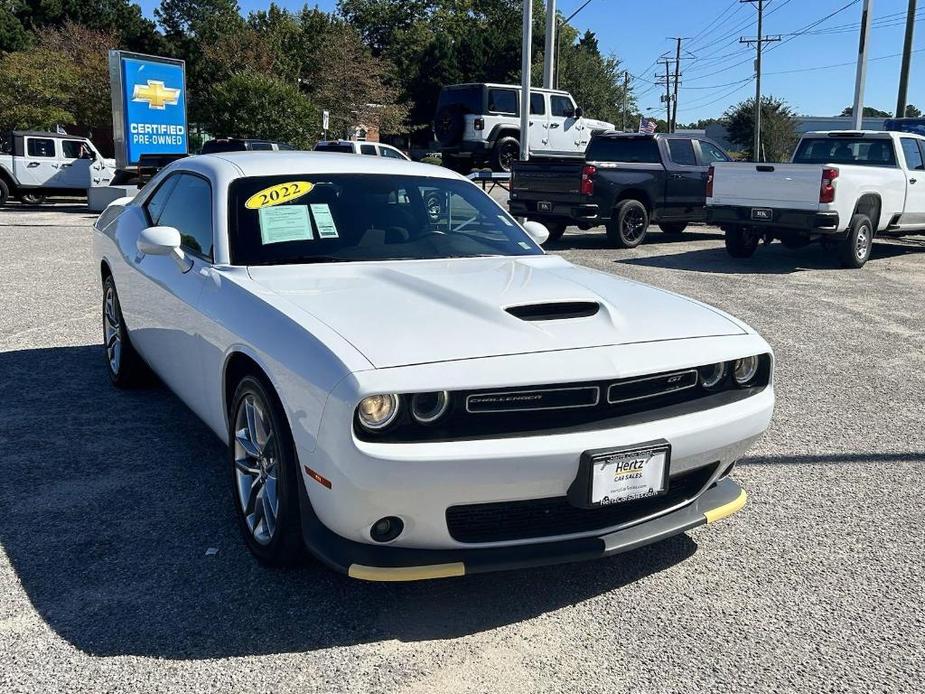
409, 387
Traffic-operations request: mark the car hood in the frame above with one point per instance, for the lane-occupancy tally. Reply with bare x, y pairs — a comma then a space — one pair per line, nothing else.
414, 312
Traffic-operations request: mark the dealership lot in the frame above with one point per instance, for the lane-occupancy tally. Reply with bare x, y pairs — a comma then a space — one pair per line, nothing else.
112, 500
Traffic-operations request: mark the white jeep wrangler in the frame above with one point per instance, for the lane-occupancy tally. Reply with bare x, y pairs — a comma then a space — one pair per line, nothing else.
34, 165
478, 124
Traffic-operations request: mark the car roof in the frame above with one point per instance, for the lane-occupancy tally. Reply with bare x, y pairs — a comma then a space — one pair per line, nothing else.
498, 85
231, 165
41, 133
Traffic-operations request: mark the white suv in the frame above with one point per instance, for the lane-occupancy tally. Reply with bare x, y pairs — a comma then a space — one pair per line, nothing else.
480, 123
373, 149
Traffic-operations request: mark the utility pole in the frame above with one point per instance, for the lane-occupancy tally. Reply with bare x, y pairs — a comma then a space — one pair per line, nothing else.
759, 46
673, 122
525, 63
667, 98
549, 55
861, 78
626, 96
907, 60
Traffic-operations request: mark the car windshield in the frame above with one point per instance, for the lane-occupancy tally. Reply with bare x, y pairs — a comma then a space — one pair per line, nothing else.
277, 220
837, 150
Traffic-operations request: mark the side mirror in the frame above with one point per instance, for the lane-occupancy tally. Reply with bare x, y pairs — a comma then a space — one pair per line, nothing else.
163, 241
536, 231
579, 112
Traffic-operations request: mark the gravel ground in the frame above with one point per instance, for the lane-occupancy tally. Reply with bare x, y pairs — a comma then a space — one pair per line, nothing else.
110, 500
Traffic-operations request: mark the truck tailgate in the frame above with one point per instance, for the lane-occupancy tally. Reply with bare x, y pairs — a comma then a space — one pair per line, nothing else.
554, 180
788, 186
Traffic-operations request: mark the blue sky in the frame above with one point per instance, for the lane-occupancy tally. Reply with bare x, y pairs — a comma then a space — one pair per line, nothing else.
799, 69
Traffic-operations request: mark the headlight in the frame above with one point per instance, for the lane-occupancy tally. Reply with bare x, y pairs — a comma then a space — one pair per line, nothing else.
745, 370
378, 411
711, 376
427, 408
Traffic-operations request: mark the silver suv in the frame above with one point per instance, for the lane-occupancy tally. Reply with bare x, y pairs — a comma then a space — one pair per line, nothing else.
478, 124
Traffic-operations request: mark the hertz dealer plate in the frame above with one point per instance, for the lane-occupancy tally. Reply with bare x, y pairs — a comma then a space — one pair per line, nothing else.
629, 475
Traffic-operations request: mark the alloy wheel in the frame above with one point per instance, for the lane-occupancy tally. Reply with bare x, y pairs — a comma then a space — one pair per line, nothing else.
633, 225
256, 460
862, 243
112, 329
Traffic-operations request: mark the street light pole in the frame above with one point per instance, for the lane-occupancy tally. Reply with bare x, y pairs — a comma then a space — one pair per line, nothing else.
525, 81
901, 102
861, 78
549, 56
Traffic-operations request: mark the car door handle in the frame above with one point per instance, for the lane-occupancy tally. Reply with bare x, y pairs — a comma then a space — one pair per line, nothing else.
32, 164
913, 180
553, 125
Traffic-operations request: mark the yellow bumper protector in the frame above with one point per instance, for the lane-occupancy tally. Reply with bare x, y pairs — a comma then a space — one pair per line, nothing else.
727, 509
406, 573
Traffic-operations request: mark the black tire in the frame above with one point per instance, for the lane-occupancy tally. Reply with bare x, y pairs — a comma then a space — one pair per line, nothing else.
854, 250
31, 198
126, 368
741, 243
556, 230
283, 546
448, 125
673, 227
505, 153
628, 225
4, 192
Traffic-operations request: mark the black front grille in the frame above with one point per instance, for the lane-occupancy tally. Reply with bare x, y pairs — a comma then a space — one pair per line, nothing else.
521, 520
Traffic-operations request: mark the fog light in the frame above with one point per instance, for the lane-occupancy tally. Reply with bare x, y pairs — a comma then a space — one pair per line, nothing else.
711, 376
378, 411
745, 370
427, 408
386, 529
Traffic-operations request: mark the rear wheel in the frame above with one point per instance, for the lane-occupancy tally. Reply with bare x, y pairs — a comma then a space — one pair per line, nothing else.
741, 243
126, 367
31, 198
4, 192
673, 227
627, 227
556, 230
856, 247
505, 153
264, 474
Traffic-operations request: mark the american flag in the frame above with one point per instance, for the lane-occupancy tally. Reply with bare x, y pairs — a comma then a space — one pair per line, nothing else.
648, 126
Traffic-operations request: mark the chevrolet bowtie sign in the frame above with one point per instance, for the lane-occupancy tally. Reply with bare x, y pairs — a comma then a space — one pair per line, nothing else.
149, 106
155, 94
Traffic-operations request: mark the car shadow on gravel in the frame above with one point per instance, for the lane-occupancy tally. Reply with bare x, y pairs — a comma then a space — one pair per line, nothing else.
775, 259
112, 498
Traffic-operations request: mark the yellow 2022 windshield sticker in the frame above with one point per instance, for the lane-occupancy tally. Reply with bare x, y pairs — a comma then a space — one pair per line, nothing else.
278, 194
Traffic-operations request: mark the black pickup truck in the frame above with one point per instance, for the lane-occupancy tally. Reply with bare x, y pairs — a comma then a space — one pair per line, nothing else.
624, 181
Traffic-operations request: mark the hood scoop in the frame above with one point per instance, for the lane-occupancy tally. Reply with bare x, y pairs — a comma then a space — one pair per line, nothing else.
560, 310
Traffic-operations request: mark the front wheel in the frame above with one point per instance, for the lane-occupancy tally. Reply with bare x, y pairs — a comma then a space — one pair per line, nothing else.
505, 153
856, 247
126, 367
4, 192
673, 227
264, 471
31, 198
741, 243
628, 225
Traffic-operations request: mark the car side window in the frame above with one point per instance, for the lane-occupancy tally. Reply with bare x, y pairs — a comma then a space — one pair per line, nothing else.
155, 204
561, 106
914, 160
390, 153
502, 101
711, 153
537, 104
189, 210
40, 147
368, 149
682, 152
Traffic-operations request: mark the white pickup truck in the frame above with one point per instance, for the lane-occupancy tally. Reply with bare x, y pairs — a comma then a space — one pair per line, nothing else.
842, 188
34, 165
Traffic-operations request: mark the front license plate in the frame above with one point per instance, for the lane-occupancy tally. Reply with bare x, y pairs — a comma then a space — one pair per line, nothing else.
762, 214
629, 475
544, 206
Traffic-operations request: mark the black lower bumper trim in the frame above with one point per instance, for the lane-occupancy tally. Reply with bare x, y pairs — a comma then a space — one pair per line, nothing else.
802, 220
343, 555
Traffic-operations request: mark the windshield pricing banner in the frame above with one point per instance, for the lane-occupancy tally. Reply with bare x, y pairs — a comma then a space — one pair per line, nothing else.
149, 106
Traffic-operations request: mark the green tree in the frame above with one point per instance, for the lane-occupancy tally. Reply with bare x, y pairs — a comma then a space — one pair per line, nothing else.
596, 81
120, 17
13, 35
778, 128
869, 112
913, 112
251, 104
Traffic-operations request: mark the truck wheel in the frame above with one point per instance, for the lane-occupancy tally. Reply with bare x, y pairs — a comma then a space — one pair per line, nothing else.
673, 227
741, 243
556, 230
856, 247
505, 153
31, 198
4, 192
628, 225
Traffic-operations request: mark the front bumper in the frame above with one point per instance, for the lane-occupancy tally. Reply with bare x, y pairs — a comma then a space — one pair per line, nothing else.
798, 220
386, 563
